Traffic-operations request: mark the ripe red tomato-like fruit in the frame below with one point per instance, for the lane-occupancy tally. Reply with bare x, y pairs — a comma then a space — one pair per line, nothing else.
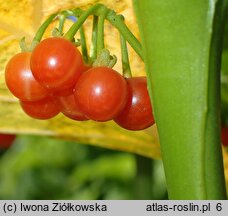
137, 113
20, 81
45, 108
69, 91
6, 140
101, 93
69, 108
56, 63
224, 135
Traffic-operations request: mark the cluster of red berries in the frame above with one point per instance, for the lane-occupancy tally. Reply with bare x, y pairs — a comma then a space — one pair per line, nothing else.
53, 78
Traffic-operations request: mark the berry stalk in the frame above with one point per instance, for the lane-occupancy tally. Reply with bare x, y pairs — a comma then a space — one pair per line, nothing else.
116, 20
126, 69
76, 26
93, 47
112, 17
100, 29
43, 28
83, 45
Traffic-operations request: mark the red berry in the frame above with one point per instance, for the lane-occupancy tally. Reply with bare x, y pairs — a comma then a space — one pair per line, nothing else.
137, 113
41, 109
20, 80
69, 108
101, 93
56, 64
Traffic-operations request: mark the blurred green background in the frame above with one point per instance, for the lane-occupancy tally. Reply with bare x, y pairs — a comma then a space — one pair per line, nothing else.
36, 167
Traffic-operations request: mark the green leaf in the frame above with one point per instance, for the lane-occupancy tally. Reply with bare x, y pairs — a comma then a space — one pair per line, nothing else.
225, 45
182, 47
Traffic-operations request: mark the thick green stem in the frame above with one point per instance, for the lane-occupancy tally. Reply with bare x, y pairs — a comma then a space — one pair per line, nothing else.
181, 44
212, 128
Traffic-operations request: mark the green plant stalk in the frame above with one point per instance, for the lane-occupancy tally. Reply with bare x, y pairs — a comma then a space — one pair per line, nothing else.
38, 36
93, 47
100, 30
112, 17
62, 19
82, 18
117, 21
182, 56
83, 45
126, 69
213, 122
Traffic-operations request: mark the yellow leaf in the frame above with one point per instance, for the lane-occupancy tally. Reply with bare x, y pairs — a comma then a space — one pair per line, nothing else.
20, 17
107, 135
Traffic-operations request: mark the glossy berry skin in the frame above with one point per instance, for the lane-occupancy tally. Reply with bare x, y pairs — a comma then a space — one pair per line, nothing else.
224, 136
137, 114
6, 140
20, 81
69, 91
69, 108
101, 93
42, 109
56, 63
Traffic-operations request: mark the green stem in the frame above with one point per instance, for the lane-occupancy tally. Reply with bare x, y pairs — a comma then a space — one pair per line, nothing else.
100, 29
62, 19
114, 19
126, 69
214, 170
77, 13
186, 60
83, 45
43, 28
75, 27
93, 47
117, 21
